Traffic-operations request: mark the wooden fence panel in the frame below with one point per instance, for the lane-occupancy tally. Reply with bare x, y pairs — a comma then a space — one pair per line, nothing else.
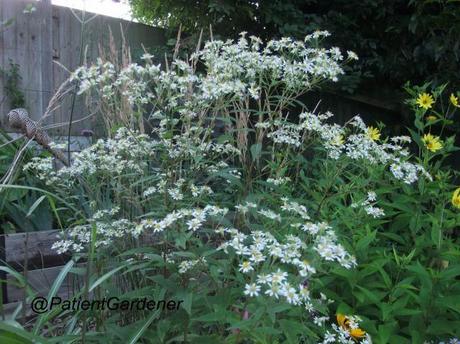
50, 34
43, 263
41, 280
35, 248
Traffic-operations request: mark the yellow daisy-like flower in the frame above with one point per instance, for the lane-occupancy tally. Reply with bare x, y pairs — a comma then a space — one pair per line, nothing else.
338, 140
454, 100
357, 333
456, 198
373, 133
425, 100
432, 143
431, 118
344, 323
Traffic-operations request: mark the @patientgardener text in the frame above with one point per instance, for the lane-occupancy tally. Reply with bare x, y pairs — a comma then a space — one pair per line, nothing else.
41, 304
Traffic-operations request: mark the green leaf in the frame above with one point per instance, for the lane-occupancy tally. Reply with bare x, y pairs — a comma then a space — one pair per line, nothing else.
292, 329
12, 330
443, 327
374, 297
436, 235
187, 297
138, 333
450, 274
422, 274
385, 332
106, 276
53, 291
22, 187
364, 242
256, 150
35, 205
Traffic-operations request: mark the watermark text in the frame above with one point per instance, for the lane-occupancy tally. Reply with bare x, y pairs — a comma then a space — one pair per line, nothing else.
42, 305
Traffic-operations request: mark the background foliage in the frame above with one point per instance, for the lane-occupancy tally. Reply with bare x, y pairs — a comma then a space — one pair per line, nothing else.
397, 40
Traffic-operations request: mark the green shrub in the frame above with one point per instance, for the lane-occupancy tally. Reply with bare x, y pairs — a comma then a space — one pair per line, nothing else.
271, 227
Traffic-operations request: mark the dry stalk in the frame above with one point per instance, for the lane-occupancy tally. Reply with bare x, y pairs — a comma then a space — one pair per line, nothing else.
122, 112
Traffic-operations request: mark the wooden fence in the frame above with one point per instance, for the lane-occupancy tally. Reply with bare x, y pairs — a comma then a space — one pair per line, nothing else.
30, 253
37, 40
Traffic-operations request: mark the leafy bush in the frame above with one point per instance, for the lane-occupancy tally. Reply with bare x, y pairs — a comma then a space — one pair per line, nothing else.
427, 31
22, 205
271, 226
12, 79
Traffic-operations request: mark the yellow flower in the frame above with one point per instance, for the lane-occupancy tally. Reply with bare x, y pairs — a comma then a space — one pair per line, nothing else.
454, 100
431, 118
357, 333
432, 143
425, 100
456, 198
373, 133
338, 140
342, 321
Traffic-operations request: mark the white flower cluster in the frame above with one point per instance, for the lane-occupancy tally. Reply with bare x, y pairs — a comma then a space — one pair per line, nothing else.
233, 69
200, 190
270, 214
451, 341
187, 265
177, 191
127, 152
359, 145
369, 205
241, 65
196, 219
43, 169
258, 247
108, 229
278, 181
294, 207
286, 133
244, 208
261, 246
408, 172
78, 238
326, 245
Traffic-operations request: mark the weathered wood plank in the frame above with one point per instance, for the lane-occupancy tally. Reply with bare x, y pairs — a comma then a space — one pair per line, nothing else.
44, 264
41, 281
8, 46
36, 247
10, 307
53, 32
3, 100
46, 56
